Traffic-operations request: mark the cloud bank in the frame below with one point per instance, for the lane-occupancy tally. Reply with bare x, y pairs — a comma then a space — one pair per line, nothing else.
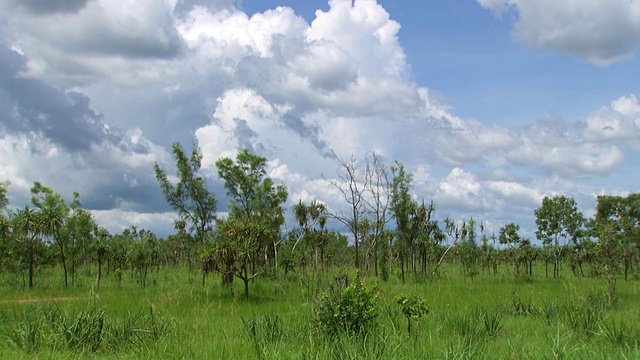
93, 92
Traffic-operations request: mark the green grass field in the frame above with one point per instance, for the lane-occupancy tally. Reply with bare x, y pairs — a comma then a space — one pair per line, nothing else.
493, 317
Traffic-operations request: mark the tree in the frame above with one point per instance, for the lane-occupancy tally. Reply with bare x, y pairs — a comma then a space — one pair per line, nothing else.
617, 227
402, 208
624, 215
196, 206
509, 236
53, 215
377, 202
468, 248
5, 228
255, 215
352, 185
608, 250
79, 228
558, 223
27, 232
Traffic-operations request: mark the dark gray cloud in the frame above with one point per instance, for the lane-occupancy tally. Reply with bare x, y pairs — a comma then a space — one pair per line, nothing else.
138, 192
53, 6
307, 132
29, 106
165, 43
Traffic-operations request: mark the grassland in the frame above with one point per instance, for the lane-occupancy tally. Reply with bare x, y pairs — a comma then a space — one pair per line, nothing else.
491, 317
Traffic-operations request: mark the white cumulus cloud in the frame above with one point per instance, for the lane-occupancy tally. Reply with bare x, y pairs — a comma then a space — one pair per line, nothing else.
596, 31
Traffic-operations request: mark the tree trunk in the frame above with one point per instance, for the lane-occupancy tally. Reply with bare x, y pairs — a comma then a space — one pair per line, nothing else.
64, 264
375, 257
31, 260
245, 279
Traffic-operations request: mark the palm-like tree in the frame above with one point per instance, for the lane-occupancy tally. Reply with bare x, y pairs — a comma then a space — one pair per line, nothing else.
53, 213
26, 226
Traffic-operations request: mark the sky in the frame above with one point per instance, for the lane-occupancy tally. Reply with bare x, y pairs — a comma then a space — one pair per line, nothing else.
491, 104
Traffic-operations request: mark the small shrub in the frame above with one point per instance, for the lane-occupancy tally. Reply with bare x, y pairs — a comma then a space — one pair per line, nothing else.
352, 311
412, 307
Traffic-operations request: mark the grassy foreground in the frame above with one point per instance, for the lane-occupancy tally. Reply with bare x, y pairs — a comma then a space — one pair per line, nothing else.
493, 317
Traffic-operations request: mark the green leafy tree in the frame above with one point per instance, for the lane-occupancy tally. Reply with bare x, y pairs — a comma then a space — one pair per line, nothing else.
255, 215
608, 250
101, 249
196, 206
412, 307
617, 227
402, 207
624, 214
80, 229
509, 236
559, 223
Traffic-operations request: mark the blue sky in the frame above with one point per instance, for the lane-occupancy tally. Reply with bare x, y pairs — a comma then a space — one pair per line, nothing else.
491, 104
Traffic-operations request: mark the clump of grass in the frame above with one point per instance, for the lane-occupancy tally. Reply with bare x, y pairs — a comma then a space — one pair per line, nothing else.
46, 327
560, 346
549, 312
620, 333
263, 331
138, 330
492, 321
519, 307
33, 329
85, 331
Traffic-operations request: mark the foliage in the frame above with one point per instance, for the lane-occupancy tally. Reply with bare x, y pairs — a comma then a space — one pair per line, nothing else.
559, 222
352, 311
412, 307
196, 206
254, 219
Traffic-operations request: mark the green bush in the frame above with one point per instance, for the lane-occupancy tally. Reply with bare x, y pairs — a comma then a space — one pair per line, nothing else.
352, 311
412, 307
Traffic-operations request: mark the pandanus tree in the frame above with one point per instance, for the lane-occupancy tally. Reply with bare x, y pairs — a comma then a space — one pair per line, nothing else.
309, 216
26, 230
53, 214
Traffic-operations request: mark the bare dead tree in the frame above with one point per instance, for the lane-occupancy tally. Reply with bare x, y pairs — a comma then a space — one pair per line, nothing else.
352, 186
378, 201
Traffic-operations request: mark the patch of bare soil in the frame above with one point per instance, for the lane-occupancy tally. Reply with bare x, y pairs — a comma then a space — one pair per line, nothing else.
36, 300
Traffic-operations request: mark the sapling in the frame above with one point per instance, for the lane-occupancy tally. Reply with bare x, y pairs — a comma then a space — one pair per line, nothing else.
412, 307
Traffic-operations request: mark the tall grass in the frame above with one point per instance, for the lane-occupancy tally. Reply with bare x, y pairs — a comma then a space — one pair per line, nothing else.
489, 318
